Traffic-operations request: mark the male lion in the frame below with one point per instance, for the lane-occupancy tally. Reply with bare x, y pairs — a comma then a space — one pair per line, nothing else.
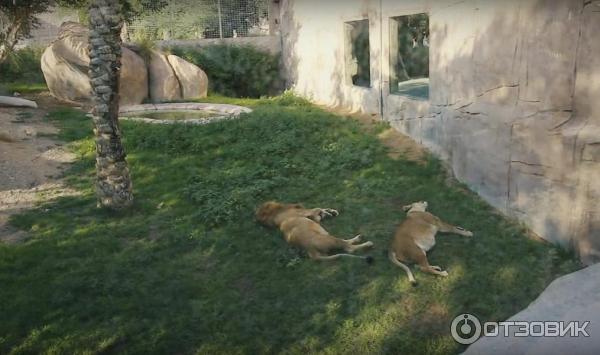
301, 228
416, 235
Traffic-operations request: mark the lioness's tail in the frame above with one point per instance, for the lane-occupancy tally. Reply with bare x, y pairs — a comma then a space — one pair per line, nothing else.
368, 259
395, 260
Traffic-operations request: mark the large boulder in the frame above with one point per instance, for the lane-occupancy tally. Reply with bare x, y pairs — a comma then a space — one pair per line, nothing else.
192, 79
571, 298
72, 44
133, 83
162, 78
65, 66
66, 81
164, 85
173, 78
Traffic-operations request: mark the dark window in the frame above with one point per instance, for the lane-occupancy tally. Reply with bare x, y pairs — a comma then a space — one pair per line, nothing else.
409, 55
358, 57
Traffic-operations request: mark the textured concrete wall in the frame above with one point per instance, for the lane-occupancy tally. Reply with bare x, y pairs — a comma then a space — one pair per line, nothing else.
514, 106
313, 51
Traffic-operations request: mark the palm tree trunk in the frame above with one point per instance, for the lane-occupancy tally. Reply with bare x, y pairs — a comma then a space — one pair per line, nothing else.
113, 184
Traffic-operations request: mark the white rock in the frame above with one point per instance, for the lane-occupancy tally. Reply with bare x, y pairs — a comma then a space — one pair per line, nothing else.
571, 298
65, 66
65, 81
133, 83
164, 85
17, 102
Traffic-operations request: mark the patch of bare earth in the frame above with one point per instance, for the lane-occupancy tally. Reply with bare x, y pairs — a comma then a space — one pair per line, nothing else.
399, 145
402, 146
31, 162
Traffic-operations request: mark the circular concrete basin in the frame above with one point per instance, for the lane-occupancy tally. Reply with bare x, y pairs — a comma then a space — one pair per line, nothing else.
188, 113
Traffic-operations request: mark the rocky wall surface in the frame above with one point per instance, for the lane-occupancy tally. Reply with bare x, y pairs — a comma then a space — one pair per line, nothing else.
514, 114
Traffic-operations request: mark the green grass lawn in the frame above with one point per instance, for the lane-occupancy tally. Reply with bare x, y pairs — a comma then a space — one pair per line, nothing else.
22, 88
188, 270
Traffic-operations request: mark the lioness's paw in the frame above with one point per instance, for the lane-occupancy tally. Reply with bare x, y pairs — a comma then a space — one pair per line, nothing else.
443, 273
462, 231
332, 211
329, 212
437, 268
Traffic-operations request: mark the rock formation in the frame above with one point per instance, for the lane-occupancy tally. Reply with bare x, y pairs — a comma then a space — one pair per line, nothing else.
193, 81
16, 102
164, 85
66, 61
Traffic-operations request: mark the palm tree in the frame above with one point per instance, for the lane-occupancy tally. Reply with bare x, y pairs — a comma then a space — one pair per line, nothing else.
113, 184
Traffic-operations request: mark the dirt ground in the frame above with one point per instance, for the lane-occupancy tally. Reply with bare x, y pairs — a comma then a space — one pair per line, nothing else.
399, 145
31, 162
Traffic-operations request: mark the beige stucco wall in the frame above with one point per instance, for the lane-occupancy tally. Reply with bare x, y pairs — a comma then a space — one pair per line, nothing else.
514, 106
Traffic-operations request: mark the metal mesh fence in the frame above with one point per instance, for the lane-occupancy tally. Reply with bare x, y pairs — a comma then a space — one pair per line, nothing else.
193, 19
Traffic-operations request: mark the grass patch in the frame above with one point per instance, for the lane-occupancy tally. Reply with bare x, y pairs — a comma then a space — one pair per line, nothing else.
7, 89
25, 88
187, 269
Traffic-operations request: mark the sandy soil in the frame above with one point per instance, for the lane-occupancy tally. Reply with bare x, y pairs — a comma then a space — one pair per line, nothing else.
31, 162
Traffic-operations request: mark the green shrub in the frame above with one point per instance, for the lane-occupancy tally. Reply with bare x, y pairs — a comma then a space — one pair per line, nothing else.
23, 66
238, 71
143, 45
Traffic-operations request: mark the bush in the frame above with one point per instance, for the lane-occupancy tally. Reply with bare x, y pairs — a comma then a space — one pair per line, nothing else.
23, 66
237, 71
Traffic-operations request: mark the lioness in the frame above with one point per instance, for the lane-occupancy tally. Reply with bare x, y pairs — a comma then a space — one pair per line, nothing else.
416, 235
301, 228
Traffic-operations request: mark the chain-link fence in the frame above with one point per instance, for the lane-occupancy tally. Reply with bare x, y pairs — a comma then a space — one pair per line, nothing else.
193, 19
